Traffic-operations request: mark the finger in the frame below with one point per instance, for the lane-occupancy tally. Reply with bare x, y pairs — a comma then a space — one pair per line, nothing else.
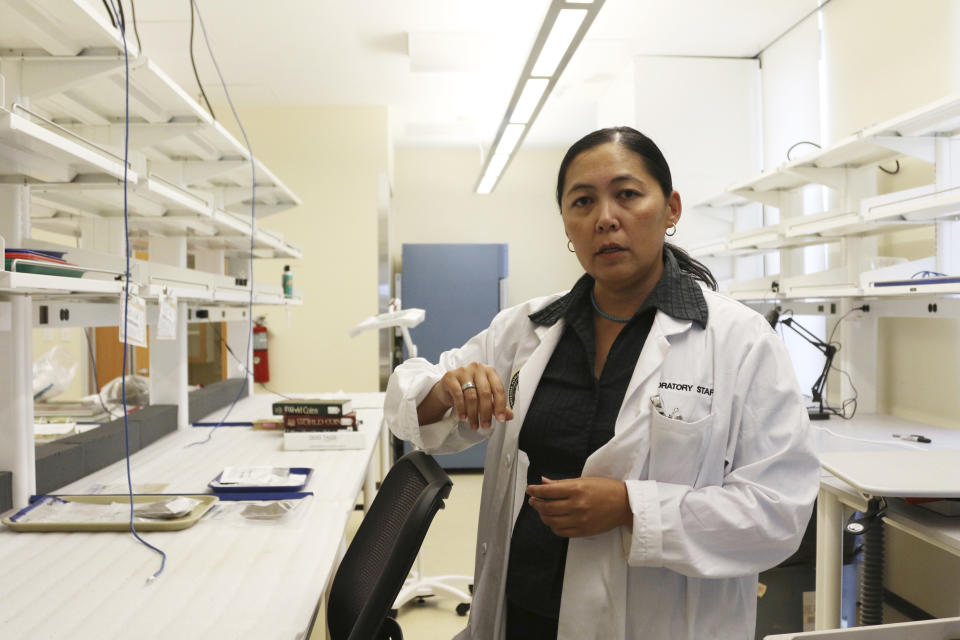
551, 508
470, 397
499, 395
484, 400
552, 490
451, 383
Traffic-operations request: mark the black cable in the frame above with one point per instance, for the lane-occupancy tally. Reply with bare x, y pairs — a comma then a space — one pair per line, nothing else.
846, 403
121, 19
110, 13
842, 412
253, 207
800, 143
830, 341
133, 12
193, 63
243, 364
888, 172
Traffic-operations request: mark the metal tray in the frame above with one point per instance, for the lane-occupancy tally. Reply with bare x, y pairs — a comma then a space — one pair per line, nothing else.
176, 524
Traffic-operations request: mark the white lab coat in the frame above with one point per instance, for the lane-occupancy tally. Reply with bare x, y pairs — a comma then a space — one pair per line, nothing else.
718, 495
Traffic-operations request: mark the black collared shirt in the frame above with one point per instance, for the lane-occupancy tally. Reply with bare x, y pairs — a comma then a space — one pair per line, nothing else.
572, 414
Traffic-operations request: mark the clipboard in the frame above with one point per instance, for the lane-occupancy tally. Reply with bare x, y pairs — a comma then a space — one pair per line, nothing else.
293, 487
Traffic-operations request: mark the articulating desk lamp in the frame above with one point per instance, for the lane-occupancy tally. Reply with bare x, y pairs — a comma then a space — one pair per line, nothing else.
417, 585
828, 350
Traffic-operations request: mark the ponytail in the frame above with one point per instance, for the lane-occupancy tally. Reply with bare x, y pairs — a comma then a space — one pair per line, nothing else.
691, 266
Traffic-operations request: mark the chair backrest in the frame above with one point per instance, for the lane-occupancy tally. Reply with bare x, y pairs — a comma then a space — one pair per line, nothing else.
384, 548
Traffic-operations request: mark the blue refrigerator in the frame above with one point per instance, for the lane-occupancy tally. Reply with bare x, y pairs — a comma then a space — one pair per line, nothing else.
461, 287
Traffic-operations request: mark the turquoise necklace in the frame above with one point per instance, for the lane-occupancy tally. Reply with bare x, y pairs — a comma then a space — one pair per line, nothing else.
597, 308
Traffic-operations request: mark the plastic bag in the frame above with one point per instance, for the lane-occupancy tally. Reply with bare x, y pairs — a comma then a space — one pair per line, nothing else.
53, 372
138, 391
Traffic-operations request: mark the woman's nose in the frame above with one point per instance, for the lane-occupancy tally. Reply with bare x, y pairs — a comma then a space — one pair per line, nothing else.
606, 217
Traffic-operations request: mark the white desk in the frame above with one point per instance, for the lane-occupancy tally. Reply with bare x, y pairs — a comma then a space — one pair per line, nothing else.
942, 629
854, 470
223, 579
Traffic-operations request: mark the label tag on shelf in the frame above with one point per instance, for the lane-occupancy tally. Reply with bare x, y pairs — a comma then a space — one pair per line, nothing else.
135, 326
167, 321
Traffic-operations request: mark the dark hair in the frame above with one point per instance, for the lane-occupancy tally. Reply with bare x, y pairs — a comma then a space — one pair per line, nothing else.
655, 164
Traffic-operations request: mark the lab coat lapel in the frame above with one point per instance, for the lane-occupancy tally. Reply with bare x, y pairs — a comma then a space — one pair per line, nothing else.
595, 577
510, 486
529, 378
625, 453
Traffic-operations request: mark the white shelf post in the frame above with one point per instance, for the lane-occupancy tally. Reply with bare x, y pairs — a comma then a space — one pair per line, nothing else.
16, 359
948, 231
239, 338
168, 358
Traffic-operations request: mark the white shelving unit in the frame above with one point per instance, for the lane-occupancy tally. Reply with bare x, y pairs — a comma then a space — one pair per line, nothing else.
62, 79
848, 168
858, 214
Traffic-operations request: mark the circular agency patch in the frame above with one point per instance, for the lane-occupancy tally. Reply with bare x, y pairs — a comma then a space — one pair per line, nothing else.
512, 389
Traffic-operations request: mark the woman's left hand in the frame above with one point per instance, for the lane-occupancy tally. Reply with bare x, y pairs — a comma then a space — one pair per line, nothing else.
581, 507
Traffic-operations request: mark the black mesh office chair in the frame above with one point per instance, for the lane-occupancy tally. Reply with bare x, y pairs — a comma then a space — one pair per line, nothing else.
384, 548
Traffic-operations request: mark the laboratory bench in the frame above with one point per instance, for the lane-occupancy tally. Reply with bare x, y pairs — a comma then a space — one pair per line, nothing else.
860, 459
225, 577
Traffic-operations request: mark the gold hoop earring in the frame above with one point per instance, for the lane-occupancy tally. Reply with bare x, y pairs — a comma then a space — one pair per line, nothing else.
672, 227
570, 246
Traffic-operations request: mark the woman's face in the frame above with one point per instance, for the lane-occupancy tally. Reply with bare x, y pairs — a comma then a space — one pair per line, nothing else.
615, 213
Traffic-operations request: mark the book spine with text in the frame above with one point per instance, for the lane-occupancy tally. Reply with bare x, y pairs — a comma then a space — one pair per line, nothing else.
311, 408
292, 421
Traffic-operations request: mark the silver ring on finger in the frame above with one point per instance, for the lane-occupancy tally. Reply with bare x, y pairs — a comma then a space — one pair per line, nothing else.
468, 385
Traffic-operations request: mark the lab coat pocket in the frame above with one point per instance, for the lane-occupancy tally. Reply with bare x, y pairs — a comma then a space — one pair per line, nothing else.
677, 448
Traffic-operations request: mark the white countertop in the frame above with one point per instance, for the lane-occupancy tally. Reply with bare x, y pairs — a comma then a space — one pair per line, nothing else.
224, 578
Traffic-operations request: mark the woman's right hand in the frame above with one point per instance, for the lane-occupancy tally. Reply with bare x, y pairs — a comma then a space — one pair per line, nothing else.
475, 392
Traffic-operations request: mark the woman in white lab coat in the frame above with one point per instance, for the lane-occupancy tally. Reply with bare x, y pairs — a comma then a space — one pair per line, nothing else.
649, 451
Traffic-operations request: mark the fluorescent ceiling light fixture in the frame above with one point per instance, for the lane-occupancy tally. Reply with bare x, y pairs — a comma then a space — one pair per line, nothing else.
497, 163
560, 34
532, 92
564, 28
511, 135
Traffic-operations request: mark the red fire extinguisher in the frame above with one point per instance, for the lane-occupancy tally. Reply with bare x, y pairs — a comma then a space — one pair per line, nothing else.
261, 364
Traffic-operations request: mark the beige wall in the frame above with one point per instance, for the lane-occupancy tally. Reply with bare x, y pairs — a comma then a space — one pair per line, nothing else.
331, 157
434, 202
885, 58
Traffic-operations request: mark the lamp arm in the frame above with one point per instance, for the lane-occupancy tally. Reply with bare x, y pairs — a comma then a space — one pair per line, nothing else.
807, 335
821, 382
407, 340
827, 349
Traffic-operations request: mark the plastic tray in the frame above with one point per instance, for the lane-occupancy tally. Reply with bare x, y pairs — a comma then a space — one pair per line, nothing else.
176, 524
40, 253
42, 269
216, 487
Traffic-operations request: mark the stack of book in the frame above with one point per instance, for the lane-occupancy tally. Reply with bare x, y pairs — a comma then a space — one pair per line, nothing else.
324, 423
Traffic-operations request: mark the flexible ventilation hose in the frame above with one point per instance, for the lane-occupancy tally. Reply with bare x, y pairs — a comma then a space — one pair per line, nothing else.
871, 577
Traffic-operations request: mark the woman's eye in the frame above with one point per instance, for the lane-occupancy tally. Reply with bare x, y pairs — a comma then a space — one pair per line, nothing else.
628, 194
582, 201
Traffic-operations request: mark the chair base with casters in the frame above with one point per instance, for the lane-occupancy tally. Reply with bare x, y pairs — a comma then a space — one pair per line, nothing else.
383, 550
418, 586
